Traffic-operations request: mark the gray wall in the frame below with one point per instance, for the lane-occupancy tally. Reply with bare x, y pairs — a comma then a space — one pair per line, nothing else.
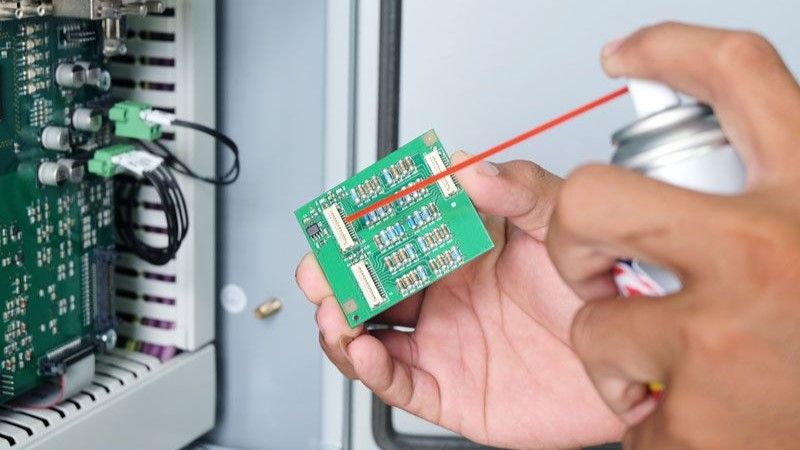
480, 72
271, 94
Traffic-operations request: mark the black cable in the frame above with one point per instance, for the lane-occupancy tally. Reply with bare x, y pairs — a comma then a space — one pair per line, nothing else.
176, 164
170, 196
172, 160
173, 205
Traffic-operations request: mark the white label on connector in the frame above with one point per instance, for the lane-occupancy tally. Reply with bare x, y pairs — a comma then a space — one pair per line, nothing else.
138, 161
157, 117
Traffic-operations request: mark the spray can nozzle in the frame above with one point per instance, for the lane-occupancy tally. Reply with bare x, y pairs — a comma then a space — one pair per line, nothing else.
650, 97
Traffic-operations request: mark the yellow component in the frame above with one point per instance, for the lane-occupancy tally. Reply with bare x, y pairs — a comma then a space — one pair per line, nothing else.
267, 308
656, 386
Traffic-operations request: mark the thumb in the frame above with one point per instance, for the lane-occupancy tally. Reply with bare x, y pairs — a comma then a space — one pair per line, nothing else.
519, 190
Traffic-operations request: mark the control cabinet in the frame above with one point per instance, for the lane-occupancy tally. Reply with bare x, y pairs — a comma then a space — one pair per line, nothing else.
97, 342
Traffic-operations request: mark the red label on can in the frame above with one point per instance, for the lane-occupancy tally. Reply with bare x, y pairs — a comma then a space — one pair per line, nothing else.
633, 281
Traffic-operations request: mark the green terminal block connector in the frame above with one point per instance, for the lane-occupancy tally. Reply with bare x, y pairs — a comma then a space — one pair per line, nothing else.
127, 116
101, 163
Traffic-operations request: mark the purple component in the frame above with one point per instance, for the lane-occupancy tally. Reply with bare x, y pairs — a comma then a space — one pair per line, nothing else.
159, 277
168, 353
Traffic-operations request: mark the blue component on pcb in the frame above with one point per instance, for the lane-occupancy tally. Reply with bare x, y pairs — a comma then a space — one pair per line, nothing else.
398, 229
387, 176
421, 272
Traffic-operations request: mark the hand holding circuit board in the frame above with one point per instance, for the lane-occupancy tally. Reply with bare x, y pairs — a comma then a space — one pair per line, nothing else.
382, 193
487, 338
389, 254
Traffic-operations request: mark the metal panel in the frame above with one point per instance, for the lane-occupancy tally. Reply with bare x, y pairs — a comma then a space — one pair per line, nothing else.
341, 63
184, 282
272, 81
481, 73
158, 407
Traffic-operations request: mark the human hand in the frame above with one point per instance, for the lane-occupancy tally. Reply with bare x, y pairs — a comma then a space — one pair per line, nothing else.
489, 356
727, 346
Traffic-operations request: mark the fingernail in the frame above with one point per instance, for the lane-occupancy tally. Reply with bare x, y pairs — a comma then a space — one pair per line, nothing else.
488, 169
459, 154
344, 341
612, 47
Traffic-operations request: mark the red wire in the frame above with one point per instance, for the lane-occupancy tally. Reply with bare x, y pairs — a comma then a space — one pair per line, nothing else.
487, 153
55, 402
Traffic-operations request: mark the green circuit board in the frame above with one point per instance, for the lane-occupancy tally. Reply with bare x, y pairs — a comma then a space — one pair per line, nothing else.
55, 262
388, 255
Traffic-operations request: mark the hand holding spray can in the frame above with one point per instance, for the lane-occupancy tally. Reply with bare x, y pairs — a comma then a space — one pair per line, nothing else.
679, 144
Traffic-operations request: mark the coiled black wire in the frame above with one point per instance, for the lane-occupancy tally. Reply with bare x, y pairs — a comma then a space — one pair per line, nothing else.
228, 177
173, 205
169, 193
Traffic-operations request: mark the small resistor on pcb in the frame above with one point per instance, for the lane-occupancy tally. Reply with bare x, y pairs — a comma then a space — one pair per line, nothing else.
412, 197
446, 261
398, 171
377, 215
413, 279
400, 258
366, 190
389, 235
422, 216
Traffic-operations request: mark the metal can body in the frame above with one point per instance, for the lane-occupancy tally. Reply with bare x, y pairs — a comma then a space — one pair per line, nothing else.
684, 146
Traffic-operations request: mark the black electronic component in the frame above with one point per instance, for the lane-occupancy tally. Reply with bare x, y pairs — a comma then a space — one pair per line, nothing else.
103, 280
313, 230
56, 362
78, 36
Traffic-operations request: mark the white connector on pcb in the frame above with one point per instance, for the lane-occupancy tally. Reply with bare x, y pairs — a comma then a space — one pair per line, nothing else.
340, 230
436, 165
367, 284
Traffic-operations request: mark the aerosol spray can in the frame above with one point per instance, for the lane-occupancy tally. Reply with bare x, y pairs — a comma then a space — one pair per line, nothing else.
680, 144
